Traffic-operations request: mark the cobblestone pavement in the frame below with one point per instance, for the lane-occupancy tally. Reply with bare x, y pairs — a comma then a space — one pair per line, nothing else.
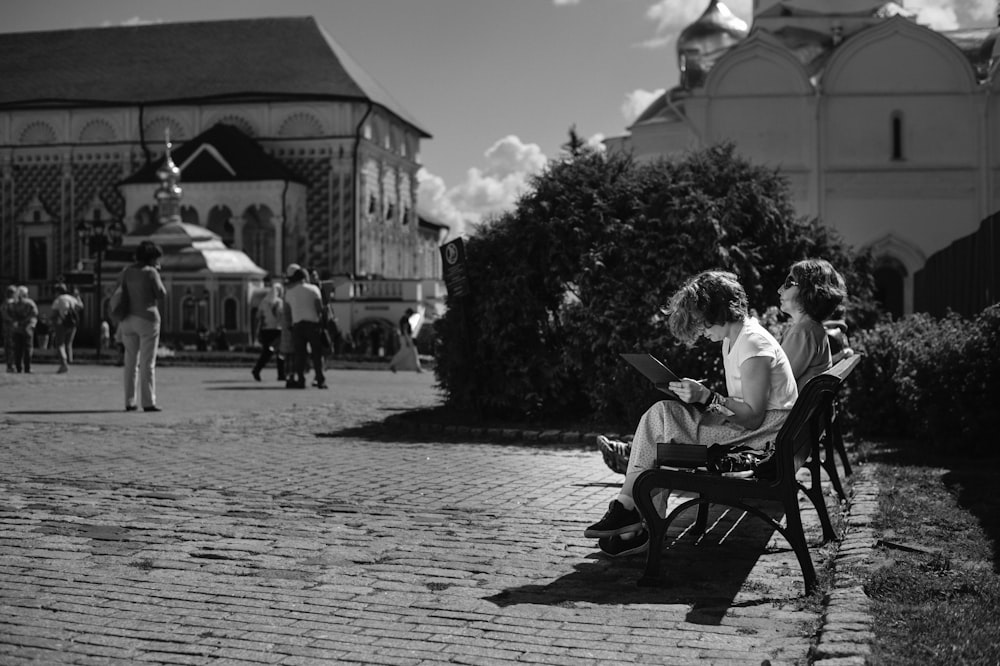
250, 524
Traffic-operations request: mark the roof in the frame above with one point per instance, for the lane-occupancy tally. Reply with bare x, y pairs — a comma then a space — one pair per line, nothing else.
168, 63
222, 153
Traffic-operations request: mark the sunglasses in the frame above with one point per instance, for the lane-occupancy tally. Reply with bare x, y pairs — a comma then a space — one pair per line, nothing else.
789, 283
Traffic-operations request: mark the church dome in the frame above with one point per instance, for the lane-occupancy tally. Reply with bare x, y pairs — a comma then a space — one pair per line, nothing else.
704, 41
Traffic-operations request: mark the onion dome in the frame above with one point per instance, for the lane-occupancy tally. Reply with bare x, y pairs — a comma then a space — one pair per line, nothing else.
701, 43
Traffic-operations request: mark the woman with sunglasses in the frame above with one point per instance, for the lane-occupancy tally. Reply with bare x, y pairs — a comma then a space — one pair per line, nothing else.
760, 391
809, 295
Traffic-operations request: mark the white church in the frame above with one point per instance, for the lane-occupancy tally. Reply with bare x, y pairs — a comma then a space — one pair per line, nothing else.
887, 131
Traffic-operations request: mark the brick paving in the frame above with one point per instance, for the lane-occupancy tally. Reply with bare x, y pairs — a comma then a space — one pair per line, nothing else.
250, 524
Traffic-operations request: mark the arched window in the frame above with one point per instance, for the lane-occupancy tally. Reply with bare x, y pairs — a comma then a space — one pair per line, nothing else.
260, 238
219, 221
896, 121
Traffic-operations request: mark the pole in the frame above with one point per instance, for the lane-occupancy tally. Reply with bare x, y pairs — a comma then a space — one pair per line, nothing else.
98, 304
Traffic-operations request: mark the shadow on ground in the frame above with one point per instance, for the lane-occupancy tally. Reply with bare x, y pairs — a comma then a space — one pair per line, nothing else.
705, 573
972, 481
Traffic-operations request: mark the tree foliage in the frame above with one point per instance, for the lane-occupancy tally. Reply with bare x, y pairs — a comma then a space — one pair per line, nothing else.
580, 270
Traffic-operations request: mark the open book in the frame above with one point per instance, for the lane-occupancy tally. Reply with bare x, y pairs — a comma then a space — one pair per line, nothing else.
654, 371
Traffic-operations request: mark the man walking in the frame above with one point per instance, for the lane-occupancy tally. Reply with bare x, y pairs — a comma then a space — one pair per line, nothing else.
66, 308
305, 303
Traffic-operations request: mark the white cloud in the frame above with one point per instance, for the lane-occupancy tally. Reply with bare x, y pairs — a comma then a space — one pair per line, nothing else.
486, 191
937, 14
596, 142
637, 101
954, 14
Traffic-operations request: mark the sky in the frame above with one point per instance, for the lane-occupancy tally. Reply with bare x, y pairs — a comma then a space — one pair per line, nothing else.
497, 83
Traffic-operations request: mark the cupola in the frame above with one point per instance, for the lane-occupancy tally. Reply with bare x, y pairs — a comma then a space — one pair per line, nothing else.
704, 41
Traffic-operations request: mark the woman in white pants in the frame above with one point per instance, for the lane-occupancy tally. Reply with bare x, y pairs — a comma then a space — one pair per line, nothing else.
140, 329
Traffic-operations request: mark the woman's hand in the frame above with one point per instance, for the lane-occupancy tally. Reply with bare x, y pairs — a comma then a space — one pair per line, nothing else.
690, 390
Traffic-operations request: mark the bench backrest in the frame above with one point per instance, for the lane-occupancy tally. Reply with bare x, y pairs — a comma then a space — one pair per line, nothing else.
795, 441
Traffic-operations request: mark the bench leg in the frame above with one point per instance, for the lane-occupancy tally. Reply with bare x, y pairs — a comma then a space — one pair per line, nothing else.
643, 492
837, 442
701, 522
796, 537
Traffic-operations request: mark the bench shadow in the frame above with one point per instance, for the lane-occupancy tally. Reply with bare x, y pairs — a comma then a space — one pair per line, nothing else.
706, 573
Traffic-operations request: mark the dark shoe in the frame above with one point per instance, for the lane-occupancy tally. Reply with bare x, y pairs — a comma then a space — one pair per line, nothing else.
256, 374
131, 408
617, 520
154, 408
320, 385
292, 384
617, 546
615, 453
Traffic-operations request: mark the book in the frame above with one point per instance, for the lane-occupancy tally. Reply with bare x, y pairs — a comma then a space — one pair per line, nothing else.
674, 454
654, 371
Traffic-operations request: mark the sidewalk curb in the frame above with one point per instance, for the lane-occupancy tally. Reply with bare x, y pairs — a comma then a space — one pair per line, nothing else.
847, 631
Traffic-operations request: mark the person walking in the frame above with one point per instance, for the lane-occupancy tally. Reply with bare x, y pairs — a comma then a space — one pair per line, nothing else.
269, 316
66, 317
23, 334
305, 304
407, 357
7, 321
140, 329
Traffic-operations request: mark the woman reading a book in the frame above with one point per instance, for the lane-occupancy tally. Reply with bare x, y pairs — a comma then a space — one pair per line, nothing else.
760, 391
810, 294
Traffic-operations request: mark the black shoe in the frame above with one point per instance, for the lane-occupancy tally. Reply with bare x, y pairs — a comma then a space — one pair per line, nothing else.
256, 374
617, 546
617, 520
131, 408
154, 408
292, 384
320, 385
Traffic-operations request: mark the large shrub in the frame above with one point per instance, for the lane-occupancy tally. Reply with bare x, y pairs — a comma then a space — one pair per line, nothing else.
933, 379
578, 272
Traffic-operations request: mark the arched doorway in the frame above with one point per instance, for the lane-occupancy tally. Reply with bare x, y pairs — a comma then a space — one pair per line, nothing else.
890, 277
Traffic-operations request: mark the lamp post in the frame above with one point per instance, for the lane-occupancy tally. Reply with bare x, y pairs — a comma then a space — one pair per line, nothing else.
99, 237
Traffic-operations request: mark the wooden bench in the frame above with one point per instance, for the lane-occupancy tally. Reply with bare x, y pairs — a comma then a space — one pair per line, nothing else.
832, 436
799, 443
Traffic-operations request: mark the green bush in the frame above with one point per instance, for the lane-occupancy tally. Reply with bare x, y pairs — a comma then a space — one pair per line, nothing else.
578, 272
936, 380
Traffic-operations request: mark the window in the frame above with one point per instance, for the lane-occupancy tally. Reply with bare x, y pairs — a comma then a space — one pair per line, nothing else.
897, 135
38, 258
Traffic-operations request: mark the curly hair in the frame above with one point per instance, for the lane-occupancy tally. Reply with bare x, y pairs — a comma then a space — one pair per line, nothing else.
821, 287
708, 299
148, 252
